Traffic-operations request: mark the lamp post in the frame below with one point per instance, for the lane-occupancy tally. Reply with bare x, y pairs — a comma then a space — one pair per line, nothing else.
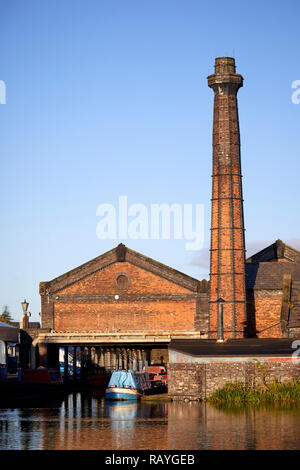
220, 327
24, 306
24, 322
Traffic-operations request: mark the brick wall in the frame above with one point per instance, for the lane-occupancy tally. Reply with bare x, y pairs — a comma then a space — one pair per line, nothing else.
266, 305
128, 316
267, 310
192, 381
139, 281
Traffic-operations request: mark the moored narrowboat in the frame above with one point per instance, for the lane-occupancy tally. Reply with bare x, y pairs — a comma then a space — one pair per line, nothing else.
127, 385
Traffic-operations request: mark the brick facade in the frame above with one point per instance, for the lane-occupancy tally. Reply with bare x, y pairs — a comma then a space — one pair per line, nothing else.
124, 292
154, 297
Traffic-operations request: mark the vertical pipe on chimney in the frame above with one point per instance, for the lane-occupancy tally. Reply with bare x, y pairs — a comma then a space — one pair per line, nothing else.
220, 337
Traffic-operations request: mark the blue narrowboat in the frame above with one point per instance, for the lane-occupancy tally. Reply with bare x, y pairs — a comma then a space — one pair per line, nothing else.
127, 385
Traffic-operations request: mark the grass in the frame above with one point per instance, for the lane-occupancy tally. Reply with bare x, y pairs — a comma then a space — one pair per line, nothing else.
274, 393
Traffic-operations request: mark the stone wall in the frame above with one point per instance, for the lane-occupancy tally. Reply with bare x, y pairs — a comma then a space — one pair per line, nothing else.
294, 333
194, 381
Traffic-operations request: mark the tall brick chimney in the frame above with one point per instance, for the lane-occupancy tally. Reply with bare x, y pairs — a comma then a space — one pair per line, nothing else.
227, 258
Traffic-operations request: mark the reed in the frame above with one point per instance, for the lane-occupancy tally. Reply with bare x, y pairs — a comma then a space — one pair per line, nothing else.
275, 392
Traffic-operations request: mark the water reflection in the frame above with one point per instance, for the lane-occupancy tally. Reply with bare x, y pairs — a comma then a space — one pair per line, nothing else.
122, 411
86, 421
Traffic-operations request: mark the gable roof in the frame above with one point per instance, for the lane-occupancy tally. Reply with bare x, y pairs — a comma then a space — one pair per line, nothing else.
276, 251
121, 253
270, 275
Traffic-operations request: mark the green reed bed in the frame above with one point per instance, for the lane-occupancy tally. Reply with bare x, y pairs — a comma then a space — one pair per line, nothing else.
275, 392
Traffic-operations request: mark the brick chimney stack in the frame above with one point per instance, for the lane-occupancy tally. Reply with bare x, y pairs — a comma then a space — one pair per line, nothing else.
227, 258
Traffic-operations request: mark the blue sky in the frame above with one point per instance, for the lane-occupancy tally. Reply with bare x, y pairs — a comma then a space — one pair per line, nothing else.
109, 98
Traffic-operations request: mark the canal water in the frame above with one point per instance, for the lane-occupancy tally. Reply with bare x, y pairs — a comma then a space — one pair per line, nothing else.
85, 421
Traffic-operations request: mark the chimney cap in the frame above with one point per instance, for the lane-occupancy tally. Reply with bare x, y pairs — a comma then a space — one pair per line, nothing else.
224, 65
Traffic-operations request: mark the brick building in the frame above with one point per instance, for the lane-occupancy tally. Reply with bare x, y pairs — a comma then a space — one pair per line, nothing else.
273, 292
123, 291
124, 304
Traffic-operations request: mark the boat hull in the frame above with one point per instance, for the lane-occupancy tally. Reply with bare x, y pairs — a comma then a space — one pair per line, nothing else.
119, 393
